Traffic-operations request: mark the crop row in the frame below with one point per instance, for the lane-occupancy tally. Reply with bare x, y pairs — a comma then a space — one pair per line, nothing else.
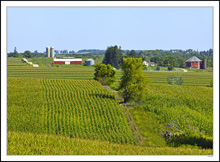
83, 109
184, 108
74, 108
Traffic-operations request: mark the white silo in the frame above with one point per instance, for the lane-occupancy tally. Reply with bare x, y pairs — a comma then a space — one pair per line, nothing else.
52, 52
47, 51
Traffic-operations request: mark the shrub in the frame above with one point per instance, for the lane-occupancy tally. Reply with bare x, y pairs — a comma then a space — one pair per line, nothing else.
158, 68
196, 139
175, 79
170, 67
105, 74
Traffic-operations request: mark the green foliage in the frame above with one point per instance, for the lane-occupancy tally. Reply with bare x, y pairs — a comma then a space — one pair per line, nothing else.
158, 68
113, 56
132, 53
27, 54
175, 79
133, 85
170, 67
105, 74
198, 139
45, 144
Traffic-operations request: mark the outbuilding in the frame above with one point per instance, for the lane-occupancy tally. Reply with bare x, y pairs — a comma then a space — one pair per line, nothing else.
193, 63
76, 61
90, 62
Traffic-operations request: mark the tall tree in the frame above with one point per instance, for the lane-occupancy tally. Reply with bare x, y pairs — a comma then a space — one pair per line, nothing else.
113, 56
132, 53
15, 51
27, 54
133, 85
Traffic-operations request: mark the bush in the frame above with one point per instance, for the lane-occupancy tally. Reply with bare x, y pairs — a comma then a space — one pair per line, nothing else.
105, 74
175, 79
170, 67
158, 68
196, 139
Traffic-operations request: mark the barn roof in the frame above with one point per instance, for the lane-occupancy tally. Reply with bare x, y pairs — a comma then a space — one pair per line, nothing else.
90, 59
79, 59
193, 59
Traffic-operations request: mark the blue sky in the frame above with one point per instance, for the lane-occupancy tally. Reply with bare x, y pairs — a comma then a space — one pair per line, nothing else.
139, 28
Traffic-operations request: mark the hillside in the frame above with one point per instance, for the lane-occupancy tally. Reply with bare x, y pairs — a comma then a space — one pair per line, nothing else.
44, 144
65, 106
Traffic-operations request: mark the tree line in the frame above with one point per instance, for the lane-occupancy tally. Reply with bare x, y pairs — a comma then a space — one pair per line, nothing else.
113, 55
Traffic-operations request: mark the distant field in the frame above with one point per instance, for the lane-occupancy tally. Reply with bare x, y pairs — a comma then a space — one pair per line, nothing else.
87, 73
77, 109
43, 144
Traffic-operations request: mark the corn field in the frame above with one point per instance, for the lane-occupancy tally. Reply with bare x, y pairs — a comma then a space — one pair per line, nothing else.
73, 108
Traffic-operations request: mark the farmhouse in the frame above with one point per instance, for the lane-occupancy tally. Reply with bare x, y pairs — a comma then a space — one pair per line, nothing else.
148, 63
76, 61
195, 63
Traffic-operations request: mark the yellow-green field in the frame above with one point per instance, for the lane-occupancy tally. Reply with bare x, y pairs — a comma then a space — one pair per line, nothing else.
64, 111
87, 73
44, 144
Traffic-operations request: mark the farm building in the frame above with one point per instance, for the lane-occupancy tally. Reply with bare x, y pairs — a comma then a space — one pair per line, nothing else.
148, 63
89, 62
77, 61
195, 63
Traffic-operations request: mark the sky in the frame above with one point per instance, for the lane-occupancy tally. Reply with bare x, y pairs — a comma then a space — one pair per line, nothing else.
138, 28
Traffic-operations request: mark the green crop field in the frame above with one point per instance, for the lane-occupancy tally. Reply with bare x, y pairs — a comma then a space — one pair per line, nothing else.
87, 73
50, 110
82, 109
186, 109
44, 144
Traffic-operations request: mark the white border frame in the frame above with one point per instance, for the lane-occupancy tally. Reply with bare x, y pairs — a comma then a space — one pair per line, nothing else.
214, 4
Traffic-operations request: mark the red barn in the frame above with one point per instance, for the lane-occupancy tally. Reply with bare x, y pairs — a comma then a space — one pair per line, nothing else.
193, 62
77, 61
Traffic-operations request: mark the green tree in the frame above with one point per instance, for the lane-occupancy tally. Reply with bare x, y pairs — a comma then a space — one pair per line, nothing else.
15, 51
27, 54
113, 56
105, 74
133, 85
158, 68
132, 53
170, 67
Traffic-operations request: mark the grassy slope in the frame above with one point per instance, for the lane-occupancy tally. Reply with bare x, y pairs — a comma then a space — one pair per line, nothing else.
43, 144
